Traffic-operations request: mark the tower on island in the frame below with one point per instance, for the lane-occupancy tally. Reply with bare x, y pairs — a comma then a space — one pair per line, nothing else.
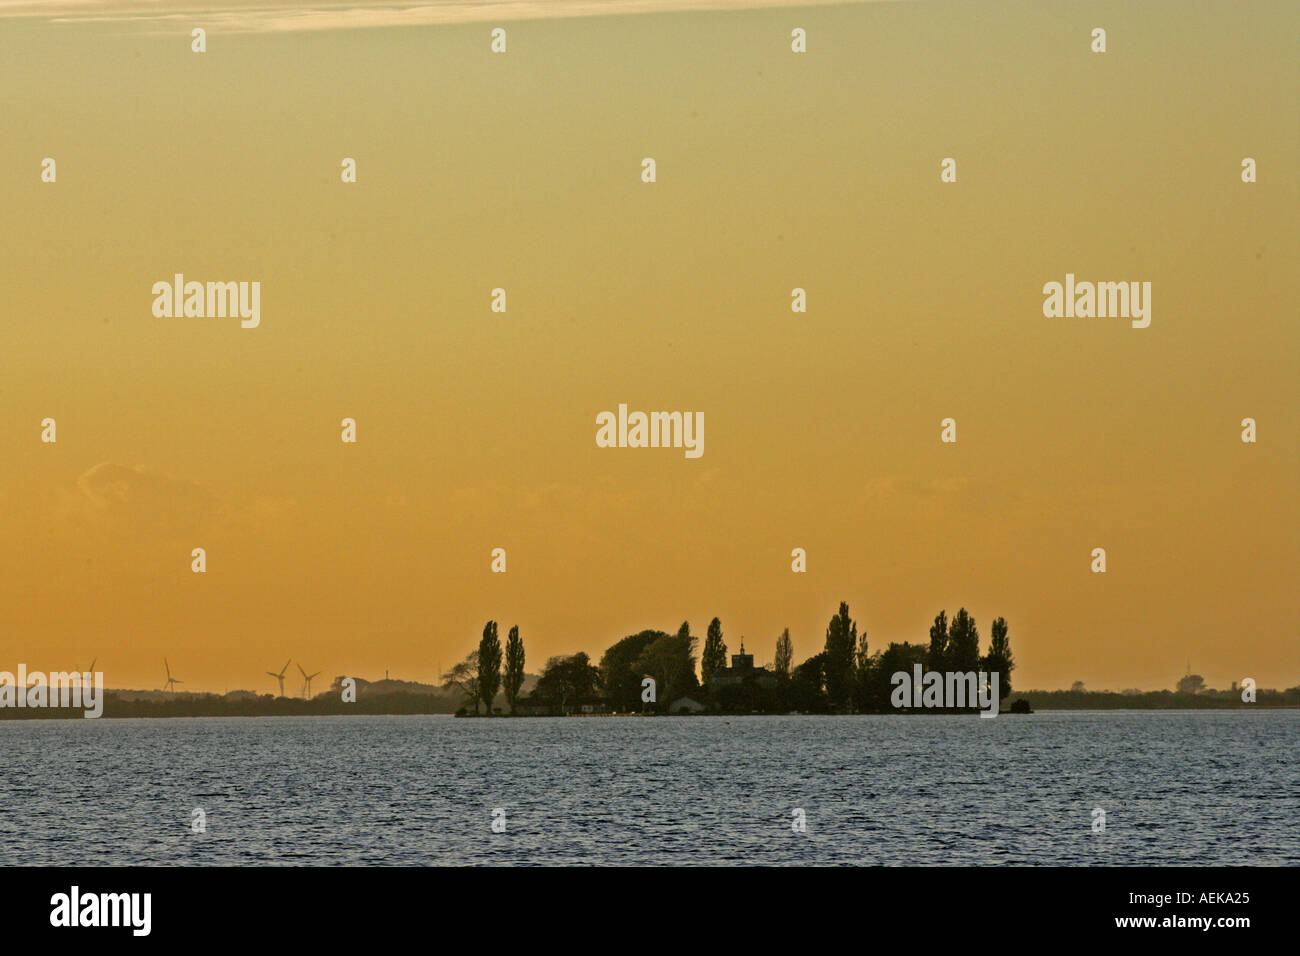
742, 669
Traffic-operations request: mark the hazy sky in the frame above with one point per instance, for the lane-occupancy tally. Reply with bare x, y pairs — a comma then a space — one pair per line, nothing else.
477, 430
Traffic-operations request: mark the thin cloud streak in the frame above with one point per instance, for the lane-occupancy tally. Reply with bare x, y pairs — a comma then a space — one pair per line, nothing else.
250, 17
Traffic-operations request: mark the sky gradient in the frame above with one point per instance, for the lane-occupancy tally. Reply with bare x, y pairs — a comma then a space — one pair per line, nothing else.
477, 430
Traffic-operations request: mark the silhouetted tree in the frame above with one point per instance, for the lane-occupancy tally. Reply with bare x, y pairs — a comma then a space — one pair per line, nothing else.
807, 681
618, 670
670, 660
860, 684
513, 678
489, 666
999, 659
841, 641
864, 676
714, 656
963, 643
1191, 684
784, 654
895, 659
938, 657
684, 634
567, 680
861, 657
464, 677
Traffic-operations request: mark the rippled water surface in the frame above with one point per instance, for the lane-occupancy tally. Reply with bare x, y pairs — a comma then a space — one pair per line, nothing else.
1176, 788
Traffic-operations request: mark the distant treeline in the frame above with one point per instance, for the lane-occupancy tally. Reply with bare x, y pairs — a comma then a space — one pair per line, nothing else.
1156, 699
214, 705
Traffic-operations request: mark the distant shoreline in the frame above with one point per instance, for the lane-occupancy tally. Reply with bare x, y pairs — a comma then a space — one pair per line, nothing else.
399, 704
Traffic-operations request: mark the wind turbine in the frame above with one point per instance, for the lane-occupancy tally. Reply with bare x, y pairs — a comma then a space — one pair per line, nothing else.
171, 681
308, 679
280, 676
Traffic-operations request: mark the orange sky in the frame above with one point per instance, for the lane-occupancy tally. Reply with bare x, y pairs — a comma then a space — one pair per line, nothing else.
476, 430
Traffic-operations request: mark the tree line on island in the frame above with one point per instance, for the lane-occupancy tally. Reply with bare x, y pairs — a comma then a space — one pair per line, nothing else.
845, 676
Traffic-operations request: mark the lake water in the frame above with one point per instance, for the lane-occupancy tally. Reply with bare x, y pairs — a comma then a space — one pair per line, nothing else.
1176, 787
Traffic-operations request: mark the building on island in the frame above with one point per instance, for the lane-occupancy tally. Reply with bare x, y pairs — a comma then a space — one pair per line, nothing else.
742, 670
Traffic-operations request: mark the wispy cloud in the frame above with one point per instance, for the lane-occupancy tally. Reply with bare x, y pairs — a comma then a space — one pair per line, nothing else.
143, 501
250, 16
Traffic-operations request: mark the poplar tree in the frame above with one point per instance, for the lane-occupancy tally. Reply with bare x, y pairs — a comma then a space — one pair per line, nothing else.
489, 666
784, 654
841, 642
963, 643
999, 659
714, 656
514, 673
937, 660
